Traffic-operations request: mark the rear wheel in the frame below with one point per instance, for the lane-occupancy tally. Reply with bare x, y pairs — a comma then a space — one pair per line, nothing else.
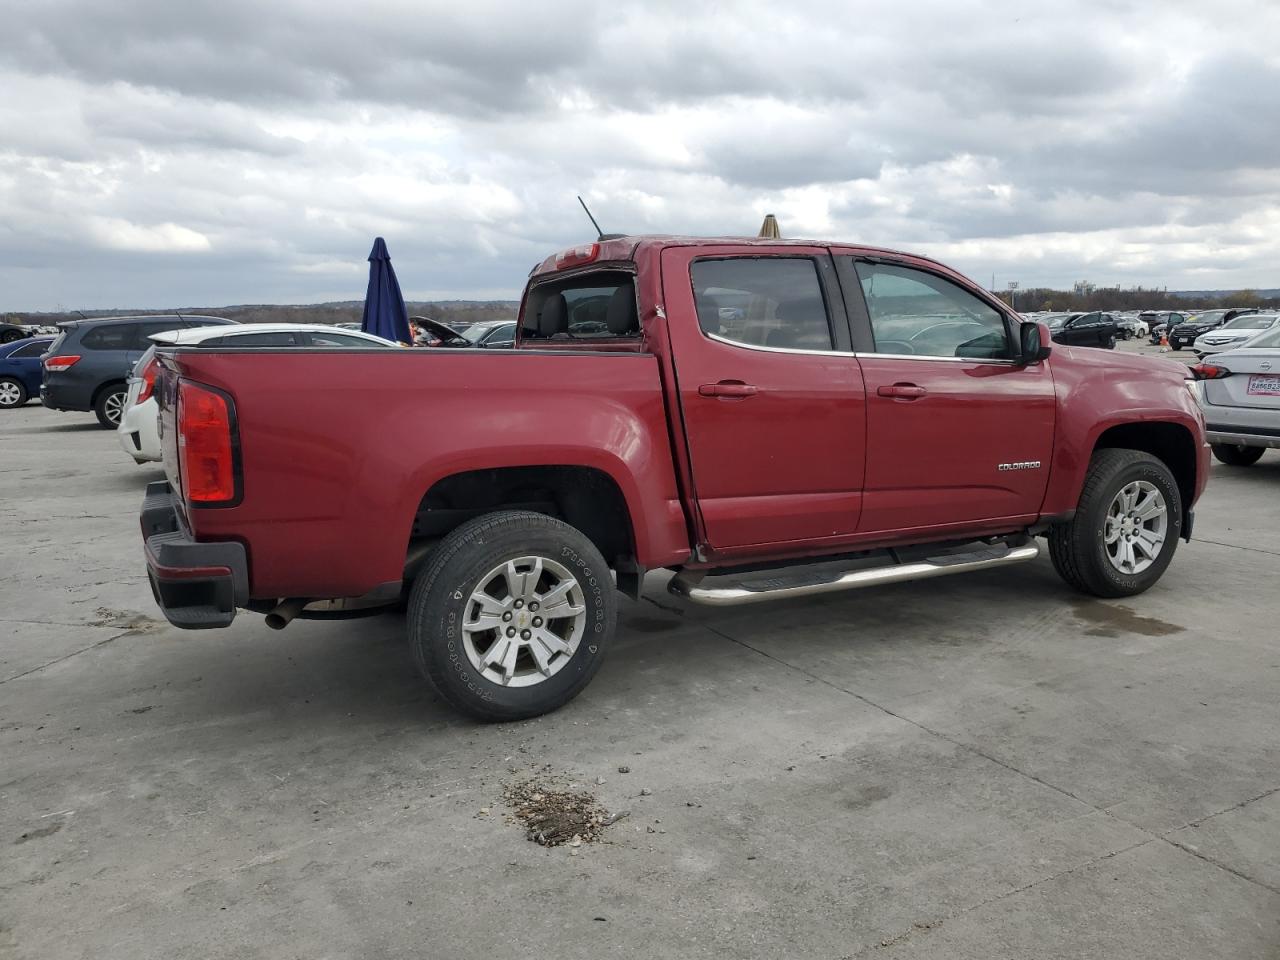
110, 405
1237, 455
1125, 529
9, 336
13, 393
512, 616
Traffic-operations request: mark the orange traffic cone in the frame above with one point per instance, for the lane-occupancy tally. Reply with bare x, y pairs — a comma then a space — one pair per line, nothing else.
1164, 340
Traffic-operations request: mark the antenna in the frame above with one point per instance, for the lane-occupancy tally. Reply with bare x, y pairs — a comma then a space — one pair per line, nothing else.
599, 232
82, 316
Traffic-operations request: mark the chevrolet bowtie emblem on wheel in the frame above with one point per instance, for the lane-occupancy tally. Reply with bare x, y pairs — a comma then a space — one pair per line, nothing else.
1020, 465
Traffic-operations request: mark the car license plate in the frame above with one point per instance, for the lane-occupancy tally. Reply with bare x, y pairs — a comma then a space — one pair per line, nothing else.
1264, 386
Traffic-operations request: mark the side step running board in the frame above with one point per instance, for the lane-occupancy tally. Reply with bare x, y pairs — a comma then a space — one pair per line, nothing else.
794, 582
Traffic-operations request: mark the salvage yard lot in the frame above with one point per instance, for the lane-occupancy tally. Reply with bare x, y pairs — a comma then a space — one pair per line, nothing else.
981, 766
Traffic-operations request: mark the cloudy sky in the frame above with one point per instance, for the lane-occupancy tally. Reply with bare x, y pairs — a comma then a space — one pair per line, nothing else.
155, 153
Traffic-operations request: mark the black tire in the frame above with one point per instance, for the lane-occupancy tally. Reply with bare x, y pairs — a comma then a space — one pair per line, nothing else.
13, 393
1235, 455
1077, 547
102, 405
442, 592
9, 336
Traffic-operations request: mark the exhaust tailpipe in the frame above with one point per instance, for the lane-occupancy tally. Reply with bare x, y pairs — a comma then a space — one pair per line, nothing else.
283, 615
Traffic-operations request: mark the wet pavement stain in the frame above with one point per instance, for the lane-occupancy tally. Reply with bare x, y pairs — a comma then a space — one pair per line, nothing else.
1111, 621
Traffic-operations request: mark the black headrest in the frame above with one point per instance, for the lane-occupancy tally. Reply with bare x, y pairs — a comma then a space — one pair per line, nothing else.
554, 317
621, 317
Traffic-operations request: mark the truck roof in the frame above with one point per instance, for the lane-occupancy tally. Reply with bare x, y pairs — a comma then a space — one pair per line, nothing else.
614, 249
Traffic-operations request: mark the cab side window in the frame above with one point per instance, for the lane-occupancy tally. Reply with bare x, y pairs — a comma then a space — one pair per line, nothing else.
762, 302
914, 313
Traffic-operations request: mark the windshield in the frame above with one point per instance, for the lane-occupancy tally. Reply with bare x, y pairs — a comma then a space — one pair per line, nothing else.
1250, 321
1269, 339
1057, 321
1213, 316
474, 332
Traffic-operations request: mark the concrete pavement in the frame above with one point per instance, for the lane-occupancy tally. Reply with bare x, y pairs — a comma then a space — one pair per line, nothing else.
982, 766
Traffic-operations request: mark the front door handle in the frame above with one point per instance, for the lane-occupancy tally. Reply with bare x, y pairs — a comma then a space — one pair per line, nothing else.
901, 391
727, 388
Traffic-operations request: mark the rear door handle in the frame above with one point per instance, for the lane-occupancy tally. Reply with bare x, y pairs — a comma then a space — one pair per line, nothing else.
901, 391
727, 388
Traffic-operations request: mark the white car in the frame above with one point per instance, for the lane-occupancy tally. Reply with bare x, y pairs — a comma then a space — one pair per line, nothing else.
1239, 392
1234, 333
137, 430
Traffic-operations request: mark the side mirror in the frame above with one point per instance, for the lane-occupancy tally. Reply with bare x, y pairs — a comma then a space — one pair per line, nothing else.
1033, 343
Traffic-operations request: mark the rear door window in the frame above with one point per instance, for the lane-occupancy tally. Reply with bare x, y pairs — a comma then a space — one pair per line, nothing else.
326, 339
30, 350
111, 336
268, 338
773, 302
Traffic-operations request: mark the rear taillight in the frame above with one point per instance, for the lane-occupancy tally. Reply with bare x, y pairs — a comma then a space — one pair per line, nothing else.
1209, 371
58, 364
148, 377
206, 445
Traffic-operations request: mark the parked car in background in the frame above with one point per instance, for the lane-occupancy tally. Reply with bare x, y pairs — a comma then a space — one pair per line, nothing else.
1158, 322
89, 364
20, 369
433, 333
9, 332
1184, 334
1239, 392
1083, 329
137, 429
492, 334
1131, 327
1233, 333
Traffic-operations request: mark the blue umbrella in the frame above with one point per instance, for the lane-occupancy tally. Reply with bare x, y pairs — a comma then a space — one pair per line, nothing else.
384, 312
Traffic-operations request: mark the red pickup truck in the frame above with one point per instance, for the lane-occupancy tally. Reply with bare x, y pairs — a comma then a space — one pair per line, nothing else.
767, 419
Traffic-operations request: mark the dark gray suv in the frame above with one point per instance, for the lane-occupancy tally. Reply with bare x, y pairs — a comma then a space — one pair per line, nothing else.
88, 366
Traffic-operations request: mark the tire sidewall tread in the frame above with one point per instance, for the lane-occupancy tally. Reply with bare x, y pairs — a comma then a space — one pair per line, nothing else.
441, 591
1077, 548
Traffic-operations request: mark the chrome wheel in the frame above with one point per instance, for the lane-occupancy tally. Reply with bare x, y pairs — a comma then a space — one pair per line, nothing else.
1136, 525
10, 394
524, 621
114, 407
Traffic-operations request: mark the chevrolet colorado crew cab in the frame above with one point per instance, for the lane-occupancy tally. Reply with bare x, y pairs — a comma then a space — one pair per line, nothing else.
766, 419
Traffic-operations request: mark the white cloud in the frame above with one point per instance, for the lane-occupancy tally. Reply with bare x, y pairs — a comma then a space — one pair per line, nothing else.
154, 154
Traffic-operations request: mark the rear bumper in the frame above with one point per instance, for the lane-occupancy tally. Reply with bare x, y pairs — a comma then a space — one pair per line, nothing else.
137, 432
62, 397
198, 586
1224, 434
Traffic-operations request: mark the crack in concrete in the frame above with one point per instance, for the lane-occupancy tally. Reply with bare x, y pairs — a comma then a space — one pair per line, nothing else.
75, 653
933, 924
1236, 546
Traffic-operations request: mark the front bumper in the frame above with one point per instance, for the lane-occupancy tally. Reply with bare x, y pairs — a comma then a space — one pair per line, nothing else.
197, 585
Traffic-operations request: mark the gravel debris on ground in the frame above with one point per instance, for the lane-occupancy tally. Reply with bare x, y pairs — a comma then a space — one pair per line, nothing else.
553, 816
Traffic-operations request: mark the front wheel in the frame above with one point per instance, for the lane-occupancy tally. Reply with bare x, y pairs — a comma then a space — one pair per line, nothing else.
1236, 455
13, 393
512, 616
1125, 529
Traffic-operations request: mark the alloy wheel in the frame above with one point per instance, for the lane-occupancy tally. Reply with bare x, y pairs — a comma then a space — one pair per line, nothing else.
524, 621
1135, 528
